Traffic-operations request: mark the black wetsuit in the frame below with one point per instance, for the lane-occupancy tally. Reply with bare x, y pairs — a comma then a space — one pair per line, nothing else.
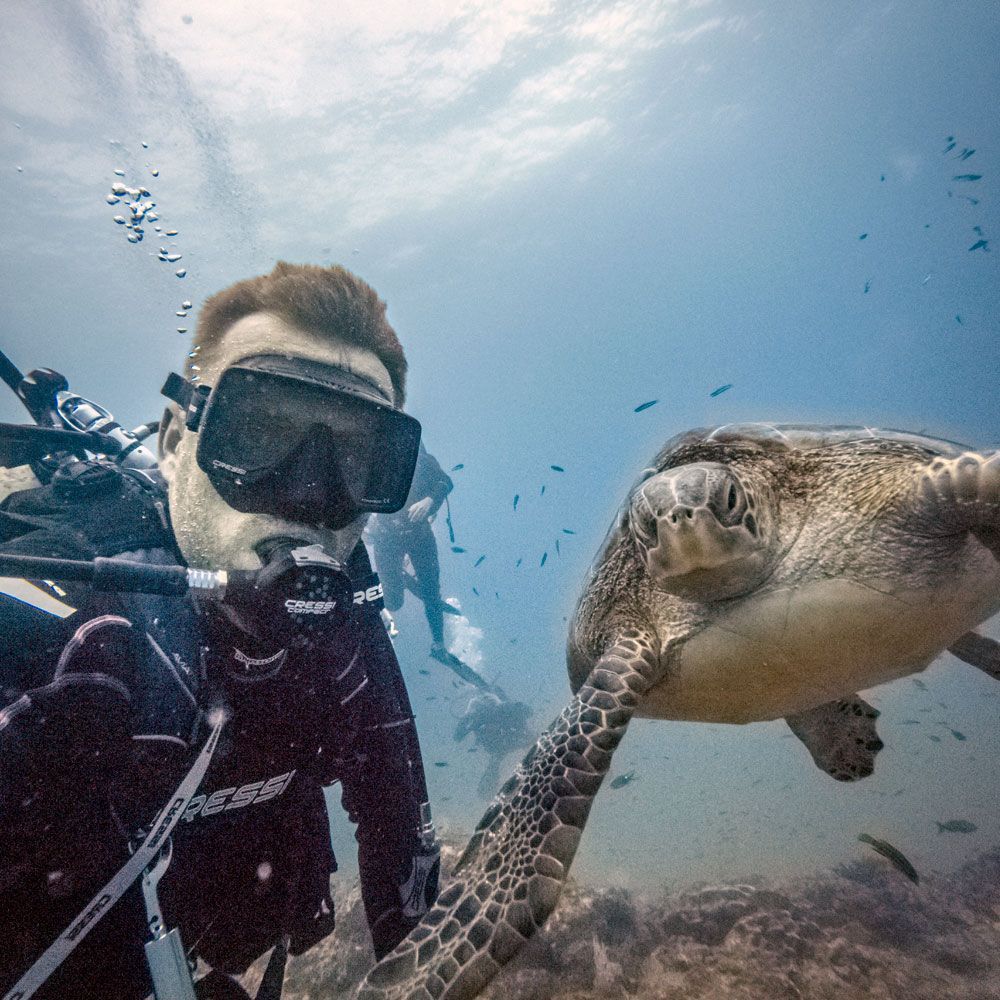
395, 536
117, 694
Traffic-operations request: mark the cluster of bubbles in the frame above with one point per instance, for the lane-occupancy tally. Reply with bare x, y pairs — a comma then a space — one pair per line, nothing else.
142, 211
194, 367
182, 312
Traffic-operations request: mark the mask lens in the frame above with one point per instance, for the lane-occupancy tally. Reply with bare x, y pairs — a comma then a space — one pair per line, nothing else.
258, 422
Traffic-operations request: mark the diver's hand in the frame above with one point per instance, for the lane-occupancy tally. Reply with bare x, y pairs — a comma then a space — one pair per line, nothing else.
419, 510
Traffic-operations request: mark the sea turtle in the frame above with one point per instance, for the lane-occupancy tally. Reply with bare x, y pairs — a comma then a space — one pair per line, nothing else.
756, 571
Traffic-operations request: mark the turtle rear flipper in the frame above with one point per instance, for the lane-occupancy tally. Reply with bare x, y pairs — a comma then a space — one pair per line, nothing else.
841, 737
510, 876
979, 650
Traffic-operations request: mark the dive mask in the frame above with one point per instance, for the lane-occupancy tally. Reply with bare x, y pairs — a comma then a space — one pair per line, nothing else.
300, 440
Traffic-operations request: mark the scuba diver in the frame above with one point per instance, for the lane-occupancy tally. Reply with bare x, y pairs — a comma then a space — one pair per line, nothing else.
407, 536
498, 726
274, 682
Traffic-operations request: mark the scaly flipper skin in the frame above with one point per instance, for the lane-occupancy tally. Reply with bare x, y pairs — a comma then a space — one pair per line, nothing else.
841, 737
512, 872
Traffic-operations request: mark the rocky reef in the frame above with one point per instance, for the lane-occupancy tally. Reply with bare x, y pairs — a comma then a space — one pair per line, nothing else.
860, 931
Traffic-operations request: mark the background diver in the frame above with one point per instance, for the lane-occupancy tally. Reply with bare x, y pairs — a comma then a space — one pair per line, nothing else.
408, 535
295, 419
499, 727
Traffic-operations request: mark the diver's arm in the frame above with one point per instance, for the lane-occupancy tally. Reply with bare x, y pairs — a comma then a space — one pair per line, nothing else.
398, 867
385, 794
434, 481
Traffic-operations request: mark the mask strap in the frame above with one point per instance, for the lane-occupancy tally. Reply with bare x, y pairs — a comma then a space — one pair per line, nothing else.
189, 397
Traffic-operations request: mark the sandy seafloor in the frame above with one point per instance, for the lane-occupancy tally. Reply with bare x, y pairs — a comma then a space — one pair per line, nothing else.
859, 931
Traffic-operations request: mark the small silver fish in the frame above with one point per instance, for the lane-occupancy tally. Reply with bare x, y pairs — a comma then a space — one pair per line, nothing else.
623, 779
957, 826
898, 859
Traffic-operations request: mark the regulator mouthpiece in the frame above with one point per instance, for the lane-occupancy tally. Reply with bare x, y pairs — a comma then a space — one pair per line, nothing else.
301, 595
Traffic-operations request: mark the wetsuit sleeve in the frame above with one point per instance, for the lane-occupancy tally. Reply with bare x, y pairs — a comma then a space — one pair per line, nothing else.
385, 794
398, 872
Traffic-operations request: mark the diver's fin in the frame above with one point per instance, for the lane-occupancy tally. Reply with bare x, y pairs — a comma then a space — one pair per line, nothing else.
840, 736
470, 676
979, 650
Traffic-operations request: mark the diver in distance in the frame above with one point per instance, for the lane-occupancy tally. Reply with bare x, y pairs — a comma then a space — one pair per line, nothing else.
286, 433
408, 535
499, 727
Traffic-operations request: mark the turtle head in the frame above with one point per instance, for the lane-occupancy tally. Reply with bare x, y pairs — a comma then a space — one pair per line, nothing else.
704, 531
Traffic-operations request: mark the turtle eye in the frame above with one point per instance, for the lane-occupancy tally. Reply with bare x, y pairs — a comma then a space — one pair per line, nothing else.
641, 520
732, 496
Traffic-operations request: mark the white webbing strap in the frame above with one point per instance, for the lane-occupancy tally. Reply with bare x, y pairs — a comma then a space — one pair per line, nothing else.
87, 919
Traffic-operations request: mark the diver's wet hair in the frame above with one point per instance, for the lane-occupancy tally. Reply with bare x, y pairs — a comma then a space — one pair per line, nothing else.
329, 300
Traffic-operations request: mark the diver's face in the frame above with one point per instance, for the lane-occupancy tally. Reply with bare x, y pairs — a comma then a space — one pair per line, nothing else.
210, 534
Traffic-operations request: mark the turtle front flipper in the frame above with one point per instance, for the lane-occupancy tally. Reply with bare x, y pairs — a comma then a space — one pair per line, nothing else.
510, 876
979, 650
841, 737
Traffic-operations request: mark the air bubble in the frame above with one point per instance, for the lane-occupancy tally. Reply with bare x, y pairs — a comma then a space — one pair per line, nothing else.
111, 199
118, 189
182, 329
181, 272
171, 232
154, 171
185, 304
119, 173
120, 219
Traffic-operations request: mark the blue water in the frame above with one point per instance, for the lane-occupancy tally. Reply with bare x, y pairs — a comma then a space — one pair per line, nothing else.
571, 209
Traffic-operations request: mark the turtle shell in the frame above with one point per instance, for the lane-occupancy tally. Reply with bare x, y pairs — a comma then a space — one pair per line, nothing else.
806, 437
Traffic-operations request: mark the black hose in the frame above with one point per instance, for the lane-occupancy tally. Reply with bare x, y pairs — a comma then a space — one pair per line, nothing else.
9, 372
101, 574
55, 439
44, 568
